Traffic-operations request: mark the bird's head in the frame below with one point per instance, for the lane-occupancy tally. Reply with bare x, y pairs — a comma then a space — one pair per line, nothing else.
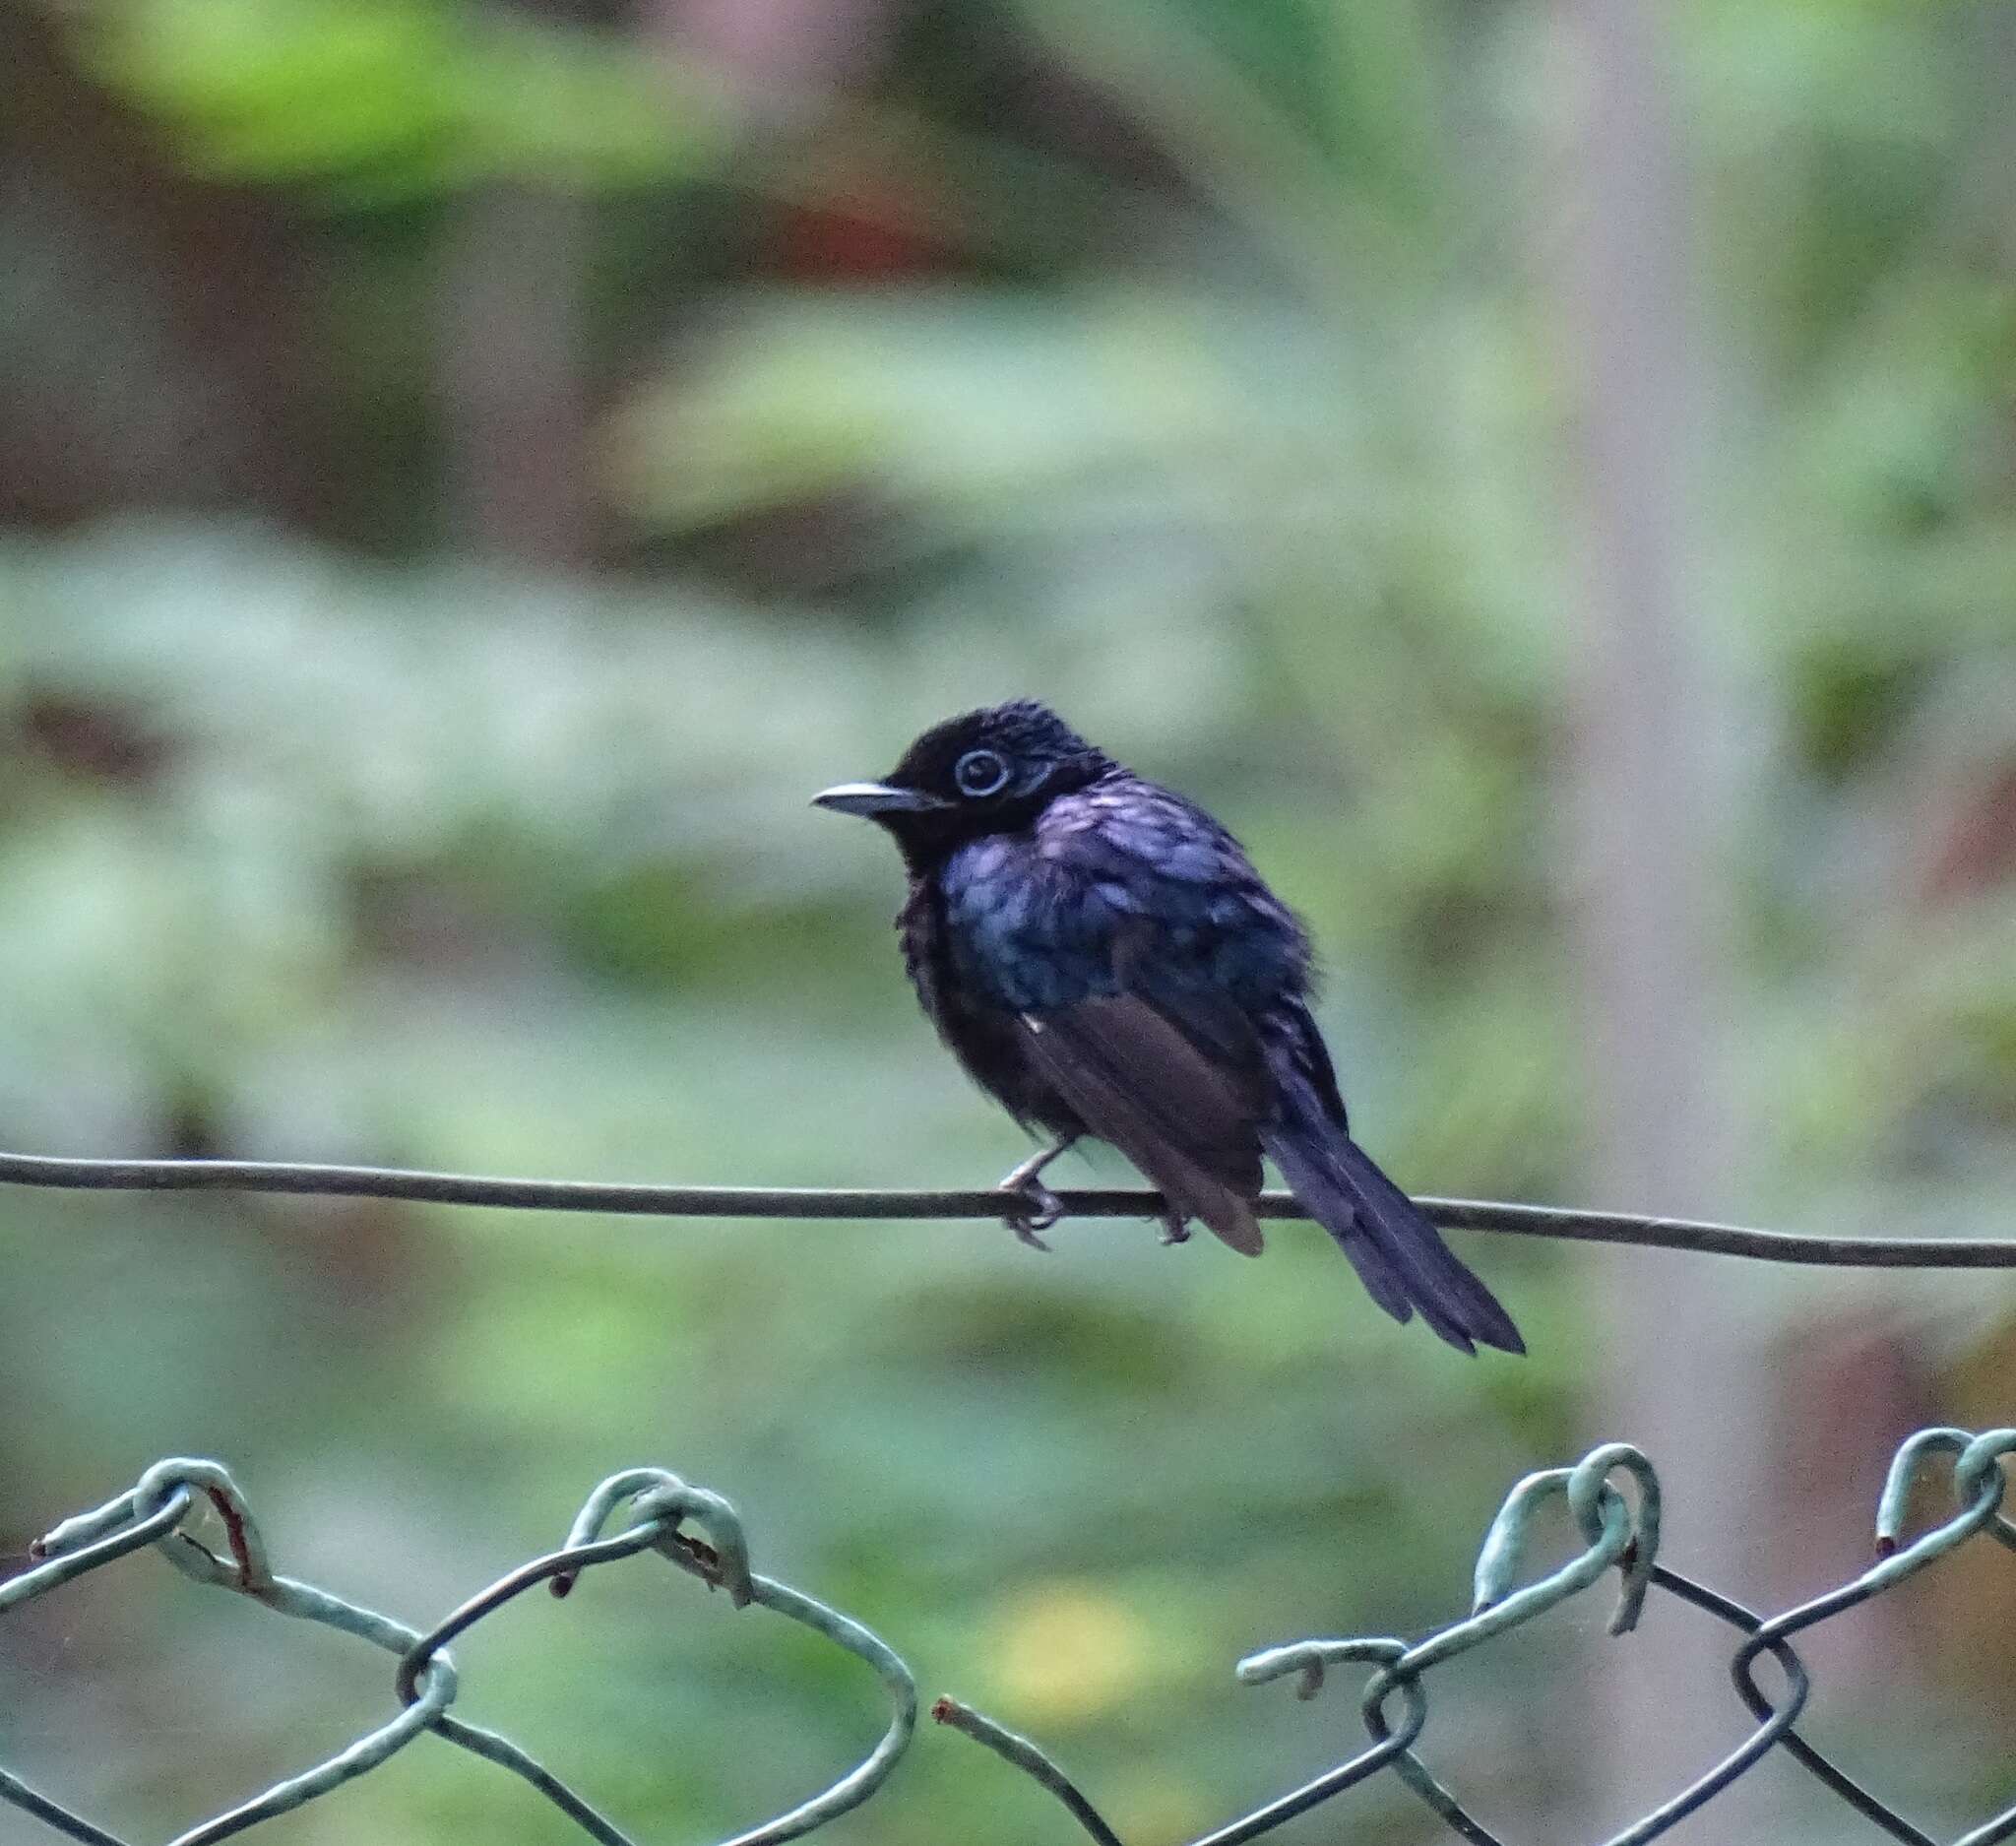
989, 771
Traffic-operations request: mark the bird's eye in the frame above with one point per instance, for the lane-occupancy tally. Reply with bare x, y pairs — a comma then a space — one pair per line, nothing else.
980, 773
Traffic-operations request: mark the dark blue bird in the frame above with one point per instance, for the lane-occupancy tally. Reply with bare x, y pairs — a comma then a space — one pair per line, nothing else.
1103, 958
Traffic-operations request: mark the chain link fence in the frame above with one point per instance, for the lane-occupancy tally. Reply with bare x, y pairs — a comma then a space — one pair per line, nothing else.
1612, 1497
1612, 1494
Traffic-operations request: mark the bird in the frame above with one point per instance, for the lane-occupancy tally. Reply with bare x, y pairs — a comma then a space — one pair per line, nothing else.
1101, 958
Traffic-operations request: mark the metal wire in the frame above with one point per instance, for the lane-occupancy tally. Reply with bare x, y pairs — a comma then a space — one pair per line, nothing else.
1616, 1538
700, 1533
996, 1202
154, 1512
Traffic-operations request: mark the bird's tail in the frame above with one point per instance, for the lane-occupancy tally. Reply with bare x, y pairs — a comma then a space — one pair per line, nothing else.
1398, 1253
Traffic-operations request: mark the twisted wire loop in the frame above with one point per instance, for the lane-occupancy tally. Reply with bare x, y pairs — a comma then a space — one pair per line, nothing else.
152, 1512
1006, 1204
660, 1504
1613, 1540
155, 1512
1617, 1535
1978, 1487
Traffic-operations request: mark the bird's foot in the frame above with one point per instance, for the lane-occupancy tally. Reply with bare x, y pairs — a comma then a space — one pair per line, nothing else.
1173, 1229
1044, 1207
1048, 1209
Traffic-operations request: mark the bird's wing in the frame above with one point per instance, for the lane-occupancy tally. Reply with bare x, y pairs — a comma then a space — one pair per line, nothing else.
1188, 1122
1156, 928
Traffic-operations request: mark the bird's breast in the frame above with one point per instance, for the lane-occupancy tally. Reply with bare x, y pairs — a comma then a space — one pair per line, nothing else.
966, 995
1019, 934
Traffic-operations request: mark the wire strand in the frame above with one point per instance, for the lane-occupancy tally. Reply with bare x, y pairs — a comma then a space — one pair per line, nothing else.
913, 1204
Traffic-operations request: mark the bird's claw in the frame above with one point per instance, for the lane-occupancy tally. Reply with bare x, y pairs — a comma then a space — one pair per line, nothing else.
1040, 1207
1174, 1230
1045, 1209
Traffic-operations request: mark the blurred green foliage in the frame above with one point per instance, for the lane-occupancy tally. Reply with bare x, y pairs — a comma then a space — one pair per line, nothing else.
376, 102
1241, 441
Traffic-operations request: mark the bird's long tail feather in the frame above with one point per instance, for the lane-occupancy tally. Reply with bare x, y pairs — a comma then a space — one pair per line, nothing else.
1398, 1253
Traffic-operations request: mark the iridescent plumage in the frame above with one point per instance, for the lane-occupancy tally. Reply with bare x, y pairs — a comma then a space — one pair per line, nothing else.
1103, 959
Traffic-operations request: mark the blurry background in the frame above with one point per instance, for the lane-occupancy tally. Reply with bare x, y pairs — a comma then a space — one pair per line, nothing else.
470, 471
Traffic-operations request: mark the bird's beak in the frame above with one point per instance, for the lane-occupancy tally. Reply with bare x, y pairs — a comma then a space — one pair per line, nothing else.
875, 797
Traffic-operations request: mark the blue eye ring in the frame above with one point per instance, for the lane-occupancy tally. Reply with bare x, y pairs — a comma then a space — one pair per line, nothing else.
980, 773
